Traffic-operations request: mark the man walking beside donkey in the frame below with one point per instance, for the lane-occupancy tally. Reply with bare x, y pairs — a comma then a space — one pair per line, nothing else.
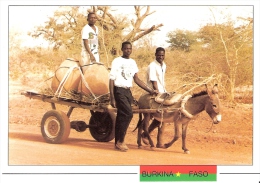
123, 71
156, 79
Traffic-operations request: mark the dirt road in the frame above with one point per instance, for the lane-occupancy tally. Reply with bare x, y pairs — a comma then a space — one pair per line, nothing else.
27, 147
228, 143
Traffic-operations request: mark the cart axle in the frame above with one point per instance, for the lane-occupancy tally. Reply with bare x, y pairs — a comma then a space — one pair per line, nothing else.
80, 126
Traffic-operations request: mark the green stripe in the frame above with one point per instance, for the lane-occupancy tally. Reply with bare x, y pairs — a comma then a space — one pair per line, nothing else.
182, 177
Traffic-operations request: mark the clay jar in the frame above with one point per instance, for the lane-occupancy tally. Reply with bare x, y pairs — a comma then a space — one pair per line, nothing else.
73, 78
96, 76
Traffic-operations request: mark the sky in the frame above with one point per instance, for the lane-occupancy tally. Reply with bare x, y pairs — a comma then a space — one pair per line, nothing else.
172, 18
182, 17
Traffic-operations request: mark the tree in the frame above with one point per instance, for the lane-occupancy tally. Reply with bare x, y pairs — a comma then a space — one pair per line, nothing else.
180, 39
232, 44
64, 28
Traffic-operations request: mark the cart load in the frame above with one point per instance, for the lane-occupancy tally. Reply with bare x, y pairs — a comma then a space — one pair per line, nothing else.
67, 74
69, 86
96, 77
70, 82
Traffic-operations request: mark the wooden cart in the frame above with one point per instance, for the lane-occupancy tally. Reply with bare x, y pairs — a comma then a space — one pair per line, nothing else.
56, 125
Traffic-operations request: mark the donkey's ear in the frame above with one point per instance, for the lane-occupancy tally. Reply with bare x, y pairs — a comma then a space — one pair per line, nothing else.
208, 91
206, 86
215, 89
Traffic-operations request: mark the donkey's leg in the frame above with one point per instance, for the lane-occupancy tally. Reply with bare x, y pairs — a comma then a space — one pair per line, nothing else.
160, 136
184, 130
177, 127
145, 128
155, 123
139, 133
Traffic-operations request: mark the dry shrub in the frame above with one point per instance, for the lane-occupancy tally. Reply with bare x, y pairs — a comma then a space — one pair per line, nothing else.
32, 66
244, 94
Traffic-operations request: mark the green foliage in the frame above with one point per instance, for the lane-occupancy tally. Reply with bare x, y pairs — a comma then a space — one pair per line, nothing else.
63, 29
180, 39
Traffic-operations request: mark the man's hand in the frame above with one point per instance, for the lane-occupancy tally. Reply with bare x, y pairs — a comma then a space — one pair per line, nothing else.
113, 103
92, 58
154, 92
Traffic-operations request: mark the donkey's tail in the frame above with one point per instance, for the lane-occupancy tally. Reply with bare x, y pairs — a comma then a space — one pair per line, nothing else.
140, 121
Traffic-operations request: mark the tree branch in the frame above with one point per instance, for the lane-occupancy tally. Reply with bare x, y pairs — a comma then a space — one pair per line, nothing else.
136, 25
153, 28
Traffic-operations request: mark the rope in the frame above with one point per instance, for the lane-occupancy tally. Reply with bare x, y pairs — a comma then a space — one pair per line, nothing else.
63, 81
161, 119
65, 78
86, 84
162, 111
210, 127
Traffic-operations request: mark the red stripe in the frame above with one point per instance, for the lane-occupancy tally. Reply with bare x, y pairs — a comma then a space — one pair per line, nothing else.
184, 169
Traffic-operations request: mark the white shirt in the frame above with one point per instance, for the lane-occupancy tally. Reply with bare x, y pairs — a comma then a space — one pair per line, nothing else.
123, 71
92, 37
156, 72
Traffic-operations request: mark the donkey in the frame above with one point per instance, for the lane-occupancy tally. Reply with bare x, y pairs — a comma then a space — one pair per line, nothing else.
179, 113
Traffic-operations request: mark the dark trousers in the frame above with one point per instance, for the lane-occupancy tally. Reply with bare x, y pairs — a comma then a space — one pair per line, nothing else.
123, 98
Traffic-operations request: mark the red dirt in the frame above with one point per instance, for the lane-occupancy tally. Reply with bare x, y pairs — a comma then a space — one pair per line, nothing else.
227, 143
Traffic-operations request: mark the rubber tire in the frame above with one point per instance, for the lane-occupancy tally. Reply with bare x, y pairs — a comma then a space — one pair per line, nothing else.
105, 131
60, 124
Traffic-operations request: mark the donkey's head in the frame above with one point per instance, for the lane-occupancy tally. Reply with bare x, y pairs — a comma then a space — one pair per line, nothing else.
212, 107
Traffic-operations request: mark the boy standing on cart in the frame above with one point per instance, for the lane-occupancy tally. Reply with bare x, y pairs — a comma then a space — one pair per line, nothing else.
123, 71
89, 34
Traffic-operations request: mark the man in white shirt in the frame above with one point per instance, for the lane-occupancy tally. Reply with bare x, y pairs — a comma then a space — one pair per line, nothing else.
123, 72
89, 52
155, 79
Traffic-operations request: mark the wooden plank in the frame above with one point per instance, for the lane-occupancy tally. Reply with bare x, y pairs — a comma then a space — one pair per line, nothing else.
76, 104
101, 107
111, 109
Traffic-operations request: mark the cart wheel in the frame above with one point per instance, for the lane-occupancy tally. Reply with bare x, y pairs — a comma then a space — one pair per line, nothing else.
103, 130
55, 127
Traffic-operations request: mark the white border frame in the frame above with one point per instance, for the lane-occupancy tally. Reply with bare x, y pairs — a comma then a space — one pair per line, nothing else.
224, 173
